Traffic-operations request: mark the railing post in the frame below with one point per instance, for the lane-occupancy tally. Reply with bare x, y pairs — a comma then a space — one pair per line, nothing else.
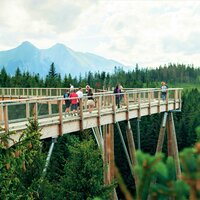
49, 108
35, 110
114, 108
99, 110
81, 113
180, 100
56, 91
60, 117
159, 93
175, 99
47, 92
50, 91
167, 100
27, 110
139, 105
5, 114
149, 103
127, 106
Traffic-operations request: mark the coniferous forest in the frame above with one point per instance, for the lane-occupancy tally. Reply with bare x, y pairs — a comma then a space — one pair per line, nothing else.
76, 168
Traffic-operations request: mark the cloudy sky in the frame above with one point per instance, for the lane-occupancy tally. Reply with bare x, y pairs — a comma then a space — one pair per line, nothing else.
147, 32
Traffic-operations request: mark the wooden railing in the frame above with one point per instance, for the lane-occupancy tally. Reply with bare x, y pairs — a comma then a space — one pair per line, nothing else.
16, 111
33, 91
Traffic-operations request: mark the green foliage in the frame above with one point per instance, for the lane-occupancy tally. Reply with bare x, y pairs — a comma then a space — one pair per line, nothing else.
21, 165
157, 179
190, 159
53, 79
83, 178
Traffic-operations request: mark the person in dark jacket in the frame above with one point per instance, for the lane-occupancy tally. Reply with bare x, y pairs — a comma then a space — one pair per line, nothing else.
90, 101
67, 102
117, 92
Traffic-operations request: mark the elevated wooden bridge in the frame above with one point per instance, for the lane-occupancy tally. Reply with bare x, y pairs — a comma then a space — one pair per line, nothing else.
17, 105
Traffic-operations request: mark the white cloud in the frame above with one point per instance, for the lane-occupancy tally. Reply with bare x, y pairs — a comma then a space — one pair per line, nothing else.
146, 32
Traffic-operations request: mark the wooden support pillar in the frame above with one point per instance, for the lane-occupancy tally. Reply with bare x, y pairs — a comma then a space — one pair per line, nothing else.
174, 145
108, 134
111, 151
169, 137
162, 133
125, 149
132, 150
105, 154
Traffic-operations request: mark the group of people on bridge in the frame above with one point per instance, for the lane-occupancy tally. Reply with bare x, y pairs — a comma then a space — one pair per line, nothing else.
72, 98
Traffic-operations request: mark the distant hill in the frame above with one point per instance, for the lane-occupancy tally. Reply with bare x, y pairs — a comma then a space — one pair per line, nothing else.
29, 58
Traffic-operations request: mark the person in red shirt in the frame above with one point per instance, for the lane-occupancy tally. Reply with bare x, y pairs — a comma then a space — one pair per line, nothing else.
74, 101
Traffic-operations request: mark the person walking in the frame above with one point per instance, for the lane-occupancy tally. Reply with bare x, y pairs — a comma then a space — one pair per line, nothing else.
80, 96
90, 101
71, 87
67, 102
74, 101
117, 92
163, 88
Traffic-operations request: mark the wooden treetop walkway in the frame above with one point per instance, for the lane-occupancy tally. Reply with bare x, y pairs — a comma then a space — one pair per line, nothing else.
47, 105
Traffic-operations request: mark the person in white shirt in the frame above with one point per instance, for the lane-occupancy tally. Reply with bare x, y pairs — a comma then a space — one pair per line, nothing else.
80, 95
71, 87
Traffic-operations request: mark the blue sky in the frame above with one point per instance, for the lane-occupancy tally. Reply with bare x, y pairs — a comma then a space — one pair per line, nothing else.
147, 32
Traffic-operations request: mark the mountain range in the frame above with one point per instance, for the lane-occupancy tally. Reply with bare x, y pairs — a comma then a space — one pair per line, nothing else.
67, 61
